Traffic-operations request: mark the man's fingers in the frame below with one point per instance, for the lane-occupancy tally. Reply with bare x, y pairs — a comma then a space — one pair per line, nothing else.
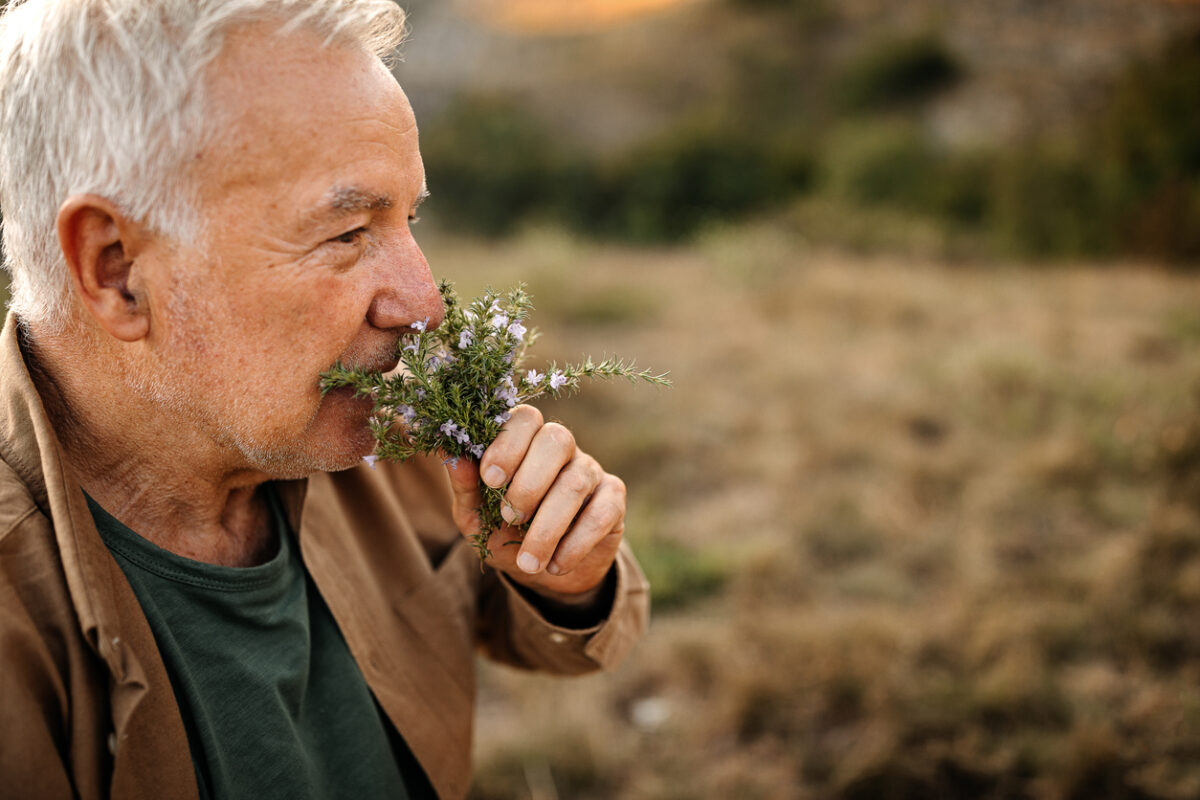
596, 531
545, 466
575, 510
502, 458
557, 512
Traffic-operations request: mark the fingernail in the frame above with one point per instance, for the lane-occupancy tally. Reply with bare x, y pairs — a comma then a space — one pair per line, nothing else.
510, 514
553, 568
494, 477
528, 563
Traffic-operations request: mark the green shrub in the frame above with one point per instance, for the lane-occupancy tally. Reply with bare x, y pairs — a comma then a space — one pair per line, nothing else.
679, 574
1051, 203
1127, 181
892, 165
877, 164
669, 188
1130, 183
488, 163
897, 71
491, 166
1148, 148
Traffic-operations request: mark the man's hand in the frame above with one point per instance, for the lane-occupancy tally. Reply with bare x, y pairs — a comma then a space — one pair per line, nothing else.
577, 509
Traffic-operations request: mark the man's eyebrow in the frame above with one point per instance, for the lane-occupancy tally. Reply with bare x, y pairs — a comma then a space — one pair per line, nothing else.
349, 200
341, 202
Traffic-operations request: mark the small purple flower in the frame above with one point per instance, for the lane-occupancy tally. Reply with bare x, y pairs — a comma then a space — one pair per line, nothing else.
533, 378
499, 321
411, 347
507, 392
517, 330
420, 326
448, 429
500, 419
451, 462
439, 360
465, 338
462, 437
477, 451
408, 413
420, 393
371, 459
557, 380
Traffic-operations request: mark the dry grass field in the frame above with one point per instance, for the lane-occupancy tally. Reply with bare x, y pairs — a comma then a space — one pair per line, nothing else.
916, 529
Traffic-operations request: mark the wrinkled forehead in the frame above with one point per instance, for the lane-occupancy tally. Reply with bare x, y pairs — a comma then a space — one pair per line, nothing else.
283, 103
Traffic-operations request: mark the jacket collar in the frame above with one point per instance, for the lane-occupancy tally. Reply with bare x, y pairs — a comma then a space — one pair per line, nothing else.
29, 445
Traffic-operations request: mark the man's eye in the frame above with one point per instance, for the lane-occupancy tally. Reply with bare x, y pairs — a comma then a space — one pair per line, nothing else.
350, 237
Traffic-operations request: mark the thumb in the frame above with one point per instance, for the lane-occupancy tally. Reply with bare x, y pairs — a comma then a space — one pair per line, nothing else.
464, 482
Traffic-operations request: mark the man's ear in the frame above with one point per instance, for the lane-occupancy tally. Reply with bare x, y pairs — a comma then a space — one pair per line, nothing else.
100, 244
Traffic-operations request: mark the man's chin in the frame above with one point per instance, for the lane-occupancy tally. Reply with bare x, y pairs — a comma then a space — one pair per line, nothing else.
341, 432
316, 456
336, 439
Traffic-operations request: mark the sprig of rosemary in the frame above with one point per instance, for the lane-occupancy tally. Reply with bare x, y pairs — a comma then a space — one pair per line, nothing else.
459, 383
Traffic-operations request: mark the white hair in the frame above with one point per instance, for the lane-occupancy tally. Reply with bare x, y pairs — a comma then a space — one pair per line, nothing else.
107, 97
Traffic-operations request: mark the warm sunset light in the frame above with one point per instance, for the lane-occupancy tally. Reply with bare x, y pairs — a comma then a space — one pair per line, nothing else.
556, 16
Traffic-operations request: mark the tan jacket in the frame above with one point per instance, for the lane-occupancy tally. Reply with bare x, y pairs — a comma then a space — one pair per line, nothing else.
86, 708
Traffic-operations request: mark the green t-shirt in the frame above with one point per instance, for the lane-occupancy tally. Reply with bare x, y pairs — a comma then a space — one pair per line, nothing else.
273, 703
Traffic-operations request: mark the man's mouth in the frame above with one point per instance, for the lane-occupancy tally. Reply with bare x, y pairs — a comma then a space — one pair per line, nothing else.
383, 363
386, 366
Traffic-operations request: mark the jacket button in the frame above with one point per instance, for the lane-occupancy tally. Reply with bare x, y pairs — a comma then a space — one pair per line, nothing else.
558, 638
112, 743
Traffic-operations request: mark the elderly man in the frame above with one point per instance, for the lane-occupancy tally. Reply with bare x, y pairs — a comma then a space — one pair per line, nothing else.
202, 592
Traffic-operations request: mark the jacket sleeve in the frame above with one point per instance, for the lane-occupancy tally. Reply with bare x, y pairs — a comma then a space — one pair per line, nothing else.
514, 632
508, 627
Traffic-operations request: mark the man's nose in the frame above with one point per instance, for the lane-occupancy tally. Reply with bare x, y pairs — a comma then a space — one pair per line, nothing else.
405, 291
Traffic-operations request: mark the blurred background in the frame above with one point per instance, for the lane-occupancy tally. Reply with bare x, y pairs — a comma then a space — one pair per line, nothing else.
922, 511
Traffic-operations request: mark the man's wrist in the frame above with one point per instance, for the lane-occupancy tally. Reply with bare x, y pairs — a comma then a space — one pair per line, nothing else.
578, 611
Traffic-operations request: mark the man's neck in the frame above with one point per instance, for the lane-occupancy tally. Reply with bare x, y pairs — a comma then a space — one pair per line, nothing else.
159, 478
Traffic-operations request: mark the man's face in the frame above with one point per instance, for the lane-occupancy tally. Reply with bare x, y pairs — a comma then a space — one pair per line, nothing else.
306, 257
